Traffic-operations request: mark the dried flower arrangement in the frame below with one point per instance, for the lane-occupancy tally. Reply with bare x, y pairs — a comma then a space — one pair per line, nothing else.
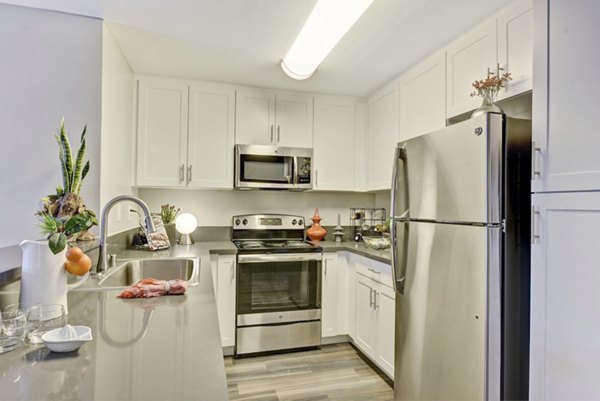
489, 87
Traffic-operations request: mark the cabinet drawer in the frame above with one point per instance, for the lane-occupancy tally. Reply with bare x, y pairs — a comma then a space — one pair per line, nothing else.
380, 272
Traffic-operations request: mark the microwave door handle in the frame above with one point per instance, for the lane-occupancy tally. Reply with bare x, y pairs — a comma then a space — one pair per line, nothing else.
295, 172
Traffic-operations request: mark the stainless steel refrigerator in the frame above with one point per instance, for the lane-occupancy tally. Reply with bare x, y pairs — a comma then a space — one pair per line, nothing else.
460, 230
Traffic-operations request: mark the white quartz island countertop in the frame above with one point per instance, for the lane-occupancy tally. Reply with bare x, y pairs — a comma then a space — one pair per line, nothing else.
163, 348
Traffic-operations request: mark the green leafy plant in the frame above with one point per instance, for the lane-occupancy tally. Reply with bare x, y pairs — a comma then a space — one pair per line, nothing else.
64, 216
168, 213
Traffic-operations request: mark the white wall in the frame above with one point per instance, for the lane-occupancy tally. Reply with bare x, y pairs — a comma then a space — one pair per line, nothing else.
215, 208
117, 133
49, 68
382, 199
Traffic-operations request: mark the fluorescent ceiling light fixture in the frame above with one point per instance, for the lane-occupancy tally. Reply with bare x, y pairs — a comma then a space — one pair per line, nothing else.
324, 28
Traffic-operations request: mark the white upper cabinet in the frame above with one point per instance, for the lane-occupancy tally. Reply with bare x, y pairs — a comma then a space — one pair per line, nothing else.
566, 101
468, 60
383, 136
185, 134
294, 121
515, 47
505, 41
162, 132
266, 118
211, 136
423, 97
334, 143
255, 117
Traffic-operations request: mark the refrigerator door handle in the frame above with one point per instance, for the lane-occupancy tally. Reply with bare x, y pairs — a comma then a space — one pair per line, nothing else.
399, 266
398, 278
399, 155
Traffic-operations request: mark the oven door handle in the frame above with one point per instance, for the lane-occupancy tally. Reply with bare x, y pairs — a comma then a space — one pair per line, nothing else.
280, 257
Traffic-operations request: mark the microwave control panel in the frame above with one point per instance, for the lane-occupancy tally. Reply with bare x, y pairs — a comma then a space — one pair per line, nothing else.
304, 170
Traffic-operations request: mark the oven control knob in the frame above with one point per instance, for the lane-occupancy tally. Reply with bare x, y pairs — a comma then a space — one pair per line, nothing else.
294, 222
245, 221
300, 222
237, 222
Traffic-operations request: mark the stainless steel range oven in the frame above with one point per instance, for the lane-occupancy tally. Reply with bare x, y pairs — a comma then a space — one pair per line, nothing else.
278, 297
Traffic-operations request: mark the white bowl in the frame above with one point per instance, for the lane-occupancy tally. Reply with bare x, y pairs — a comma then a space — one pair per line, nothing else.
54, 342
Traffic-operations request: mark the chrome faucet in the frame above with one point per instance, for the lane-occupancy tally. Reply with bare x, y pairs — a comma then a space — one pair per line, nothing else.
102, 257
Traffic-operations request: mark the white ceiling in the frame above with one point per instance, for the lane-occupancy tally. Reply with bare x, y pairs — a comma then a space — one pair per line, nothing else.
243, 41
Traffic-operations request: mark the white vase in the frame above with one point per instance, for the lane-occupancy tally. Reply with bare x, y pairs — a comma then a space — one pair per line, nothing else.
43, 275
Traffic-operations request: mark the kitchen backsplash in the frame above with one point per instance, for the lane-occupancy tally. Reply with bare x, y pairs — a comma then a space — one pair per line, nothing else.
215, 208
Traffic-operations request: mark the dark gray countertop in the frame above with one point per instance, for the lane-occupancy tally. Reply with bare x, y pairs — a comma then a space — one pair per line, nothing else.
165, 348
359, 248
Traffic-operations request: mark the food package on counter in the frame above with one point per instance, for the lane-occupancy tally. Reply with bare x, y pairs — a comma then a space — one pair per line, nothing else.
159, 238
151, 287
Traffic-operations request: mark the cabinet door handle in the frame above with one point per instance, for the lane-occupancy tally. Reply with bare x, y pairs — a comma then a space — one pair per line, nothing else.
325, 266
278, 134
232, 273
316, 178
374, 271
535, 221
271, 140
375, 303
189, 174
181, 173
370, 298
535, 171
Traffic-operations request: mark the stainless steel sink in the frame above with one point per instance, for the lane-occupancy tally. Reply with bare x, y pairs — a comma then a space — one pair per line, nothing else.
129, 272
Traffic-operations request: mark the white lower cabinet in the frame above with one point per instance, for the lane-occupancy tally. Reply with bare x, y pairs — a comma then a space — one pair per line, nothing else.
329, 295
565, 302
365, 335
385, 304
223, 271
375, 311
356, 301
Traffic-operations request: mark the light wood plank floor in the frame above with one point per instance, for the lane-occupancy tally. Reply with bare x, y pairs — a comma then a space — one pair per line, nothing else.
335, 372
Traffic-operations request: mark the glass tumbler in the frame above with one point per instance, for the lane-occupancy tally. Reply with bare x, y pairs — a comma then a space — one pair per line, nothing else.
42, 318
13, 325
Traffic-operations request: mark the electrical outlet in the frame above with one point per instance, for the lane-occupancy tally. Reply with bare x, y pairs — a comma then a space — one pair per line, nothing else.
119, 213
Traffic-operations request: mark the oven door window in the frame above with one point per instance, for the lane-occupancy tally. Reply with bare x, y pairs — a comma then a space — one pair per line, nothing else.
267, 169
278, 286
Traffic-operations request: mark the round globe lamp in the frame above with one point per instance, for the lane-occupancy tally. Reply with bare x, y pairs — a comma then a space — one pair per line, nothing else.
185, 224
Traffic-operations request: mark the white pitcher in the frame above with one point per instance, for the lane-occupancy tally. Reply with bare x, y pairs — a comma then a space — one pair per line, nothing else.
43, 275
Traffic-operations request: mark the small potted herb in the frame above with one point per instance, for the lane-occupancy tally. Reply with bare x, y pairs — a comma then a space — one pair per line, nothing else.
168, 213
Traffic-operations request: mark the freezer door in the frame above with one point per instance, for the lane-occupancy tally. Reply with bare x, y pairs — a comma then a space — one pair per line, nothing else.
453, 174
448, 315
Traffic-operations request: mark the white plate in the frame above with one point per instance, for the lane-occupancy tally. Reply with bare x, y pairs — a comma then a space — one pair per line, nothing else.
55, 343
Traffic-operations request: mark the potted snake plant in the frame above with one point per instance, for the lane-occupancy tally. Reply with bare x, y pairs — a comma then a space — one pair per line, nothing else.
64, 216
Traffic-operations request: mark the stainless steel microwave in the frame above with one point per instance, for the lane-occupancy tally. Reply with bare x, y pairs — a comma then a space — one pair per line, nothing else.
271, 167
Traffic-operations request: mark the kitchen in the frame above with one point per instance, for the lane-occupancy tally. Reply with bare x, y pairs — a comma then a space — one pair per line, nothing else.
50, 79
